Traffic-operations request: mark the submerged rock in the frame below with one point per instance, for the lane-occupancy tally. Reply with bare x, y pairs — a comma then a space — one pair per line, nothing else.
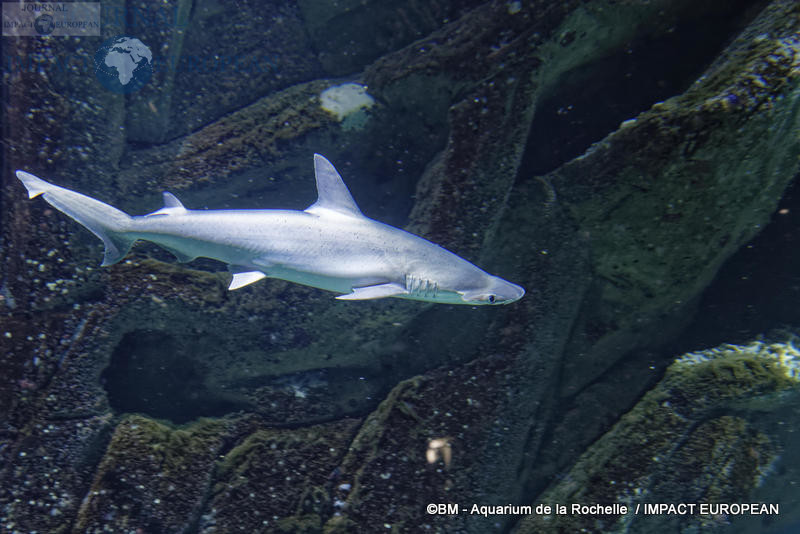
207, 477
615, 247
208, 62
425, 443
350, 34
279, 480
152, 477
709, 433
661, 204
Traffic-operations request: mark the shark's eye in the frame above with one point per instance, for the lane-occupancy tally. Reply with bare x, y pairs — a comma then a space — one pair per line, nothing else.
492, 299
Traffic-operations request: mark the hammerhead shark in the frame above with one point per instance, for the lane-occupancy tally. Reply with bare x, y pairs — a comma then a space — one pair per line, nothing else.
330, 245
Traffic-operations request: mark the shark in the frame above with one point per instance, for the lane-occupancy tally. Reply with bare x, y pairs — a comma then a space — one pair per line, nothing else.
331, 245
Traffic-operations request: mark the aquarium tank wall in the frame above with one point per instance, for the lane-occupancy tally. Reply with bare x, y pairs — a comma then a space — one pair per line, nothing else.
629, 164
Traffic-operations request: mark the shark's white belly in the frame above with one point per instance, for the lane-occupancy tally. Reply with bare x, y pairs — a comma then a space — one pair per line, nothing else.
291, 245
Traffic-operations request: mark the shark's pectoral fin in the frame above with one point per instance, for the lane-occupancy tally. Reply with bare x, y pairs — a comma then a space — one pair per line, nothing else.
245, 278
380, 291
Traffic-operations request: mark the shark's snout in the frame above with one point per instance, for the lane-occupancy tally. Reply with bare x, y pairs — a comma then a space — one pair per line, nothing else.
496, 291
507, 292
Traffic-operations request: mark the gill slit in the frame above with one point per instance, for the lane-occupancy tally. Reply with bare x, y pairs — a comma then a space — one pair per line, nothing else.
421, 287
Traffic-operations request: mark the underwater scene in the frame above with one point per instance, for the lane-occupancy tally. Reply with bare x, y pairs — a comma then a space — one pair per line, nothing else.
473, 266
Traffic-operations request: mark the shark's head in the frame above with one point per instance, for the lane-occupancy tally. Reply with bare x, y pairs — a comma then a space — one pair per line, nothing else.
494, 291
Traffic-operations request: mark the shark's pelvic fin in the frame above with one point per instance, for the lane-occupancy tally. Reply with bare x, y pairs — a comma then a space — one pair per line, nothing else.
180, 256
332, 194
246, 278
374, 292
106, 222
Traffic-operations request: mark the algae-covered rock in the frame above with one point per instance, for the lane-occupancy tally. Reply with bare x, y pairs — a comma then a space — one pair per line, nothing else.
247, 138
278, 480
673, 193
426, 443
660, 204
706, 434
478, 117
208, 63
349, 35
152, 477
51, 463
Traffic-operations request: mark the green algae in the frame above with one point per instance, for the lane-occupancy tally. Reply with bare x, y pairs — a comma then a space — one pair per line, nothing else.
675, 191
246, 137
152, 476
694, 438
280, 480
390, 472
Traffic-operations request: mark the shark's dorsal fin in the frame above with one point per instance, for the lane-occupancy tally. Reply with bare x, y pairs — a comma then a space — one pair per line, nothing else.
171, 205
332, 194
171, 201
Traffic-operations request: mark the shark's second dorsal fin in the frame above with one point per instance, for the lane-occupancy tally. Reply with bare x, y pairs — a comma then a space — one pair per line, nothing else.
332, 194
171, 205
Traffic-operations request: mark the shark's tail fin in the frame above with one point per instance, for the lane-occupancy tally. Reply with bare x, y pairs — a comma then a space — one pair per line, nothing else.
106, 222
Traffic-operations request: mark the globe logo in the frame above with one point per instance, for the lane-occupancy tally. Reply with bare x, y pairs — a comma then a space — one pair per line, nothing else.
123, 64
44, 24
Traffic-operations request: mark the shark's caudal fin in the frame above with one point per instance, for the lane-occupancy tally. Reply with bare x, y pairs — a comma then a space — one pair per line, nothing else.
106, 222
